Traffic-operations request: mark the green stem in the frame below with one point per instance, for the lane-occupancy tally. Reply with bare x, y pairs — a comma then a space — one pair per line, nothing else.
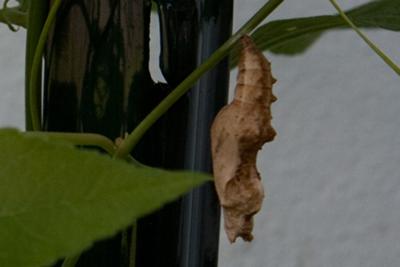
132, 253
379, 52
87, 139
13, 16
83, 139
35, 74
71, 261
37, 13
130, 142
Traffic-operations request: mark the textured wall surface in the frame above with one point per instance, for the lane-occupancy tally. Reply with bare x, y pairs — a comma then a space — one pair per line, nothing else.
12, 60
332, 176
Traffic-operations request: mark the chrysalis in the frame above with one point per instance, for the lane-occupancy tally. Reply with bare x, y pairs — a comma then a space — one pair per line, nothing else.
237, 133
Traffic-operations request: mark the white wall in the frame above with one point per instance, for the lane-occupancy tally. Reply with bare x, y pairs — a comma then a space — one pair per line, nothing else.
332, 175
12, 53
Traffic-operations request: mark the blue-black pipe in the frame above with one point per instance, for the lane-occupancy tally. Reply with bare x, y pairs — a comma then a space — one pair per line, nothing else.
97, 80
186, 233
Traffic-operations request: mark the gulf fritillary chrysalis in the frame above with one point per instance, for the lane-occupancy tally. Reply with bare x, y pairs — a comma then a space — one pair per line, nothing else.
238, 132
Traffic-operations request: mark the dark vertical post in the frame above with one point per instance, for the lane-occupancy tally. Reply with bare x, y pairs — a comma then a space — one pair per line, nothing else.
185, 233
96, 77
97, 80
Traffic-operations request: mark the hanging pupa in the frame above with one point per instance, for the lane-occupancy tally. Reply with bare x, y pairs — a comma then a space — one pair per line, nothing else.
238, 132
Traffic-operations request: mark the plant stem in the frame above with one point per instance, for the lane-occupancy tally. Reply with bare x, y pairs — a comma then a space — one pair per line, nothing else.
34, 87
130, 142
13, 16
83, 139
37, 13
133, 238
71, 261
87, 139
376, 49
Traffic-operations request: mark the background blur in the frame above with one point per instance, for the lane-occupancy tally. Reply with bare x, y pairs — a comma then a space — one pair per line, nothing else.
332, 175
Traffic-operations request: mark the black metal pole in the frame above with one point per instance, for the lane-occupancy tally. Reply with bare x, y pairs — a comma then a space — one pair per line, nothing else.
95, 75
97, 80
186, 233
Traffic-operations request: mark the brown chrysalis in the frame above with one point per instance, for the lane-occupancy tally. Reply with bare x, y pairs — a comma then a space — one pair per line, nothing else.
237, 133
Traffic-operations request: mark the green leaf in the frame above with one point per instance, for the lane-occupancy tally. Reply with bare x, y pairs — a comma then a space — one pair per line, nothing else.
56, 200
295, 36
383, 14
302, 44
